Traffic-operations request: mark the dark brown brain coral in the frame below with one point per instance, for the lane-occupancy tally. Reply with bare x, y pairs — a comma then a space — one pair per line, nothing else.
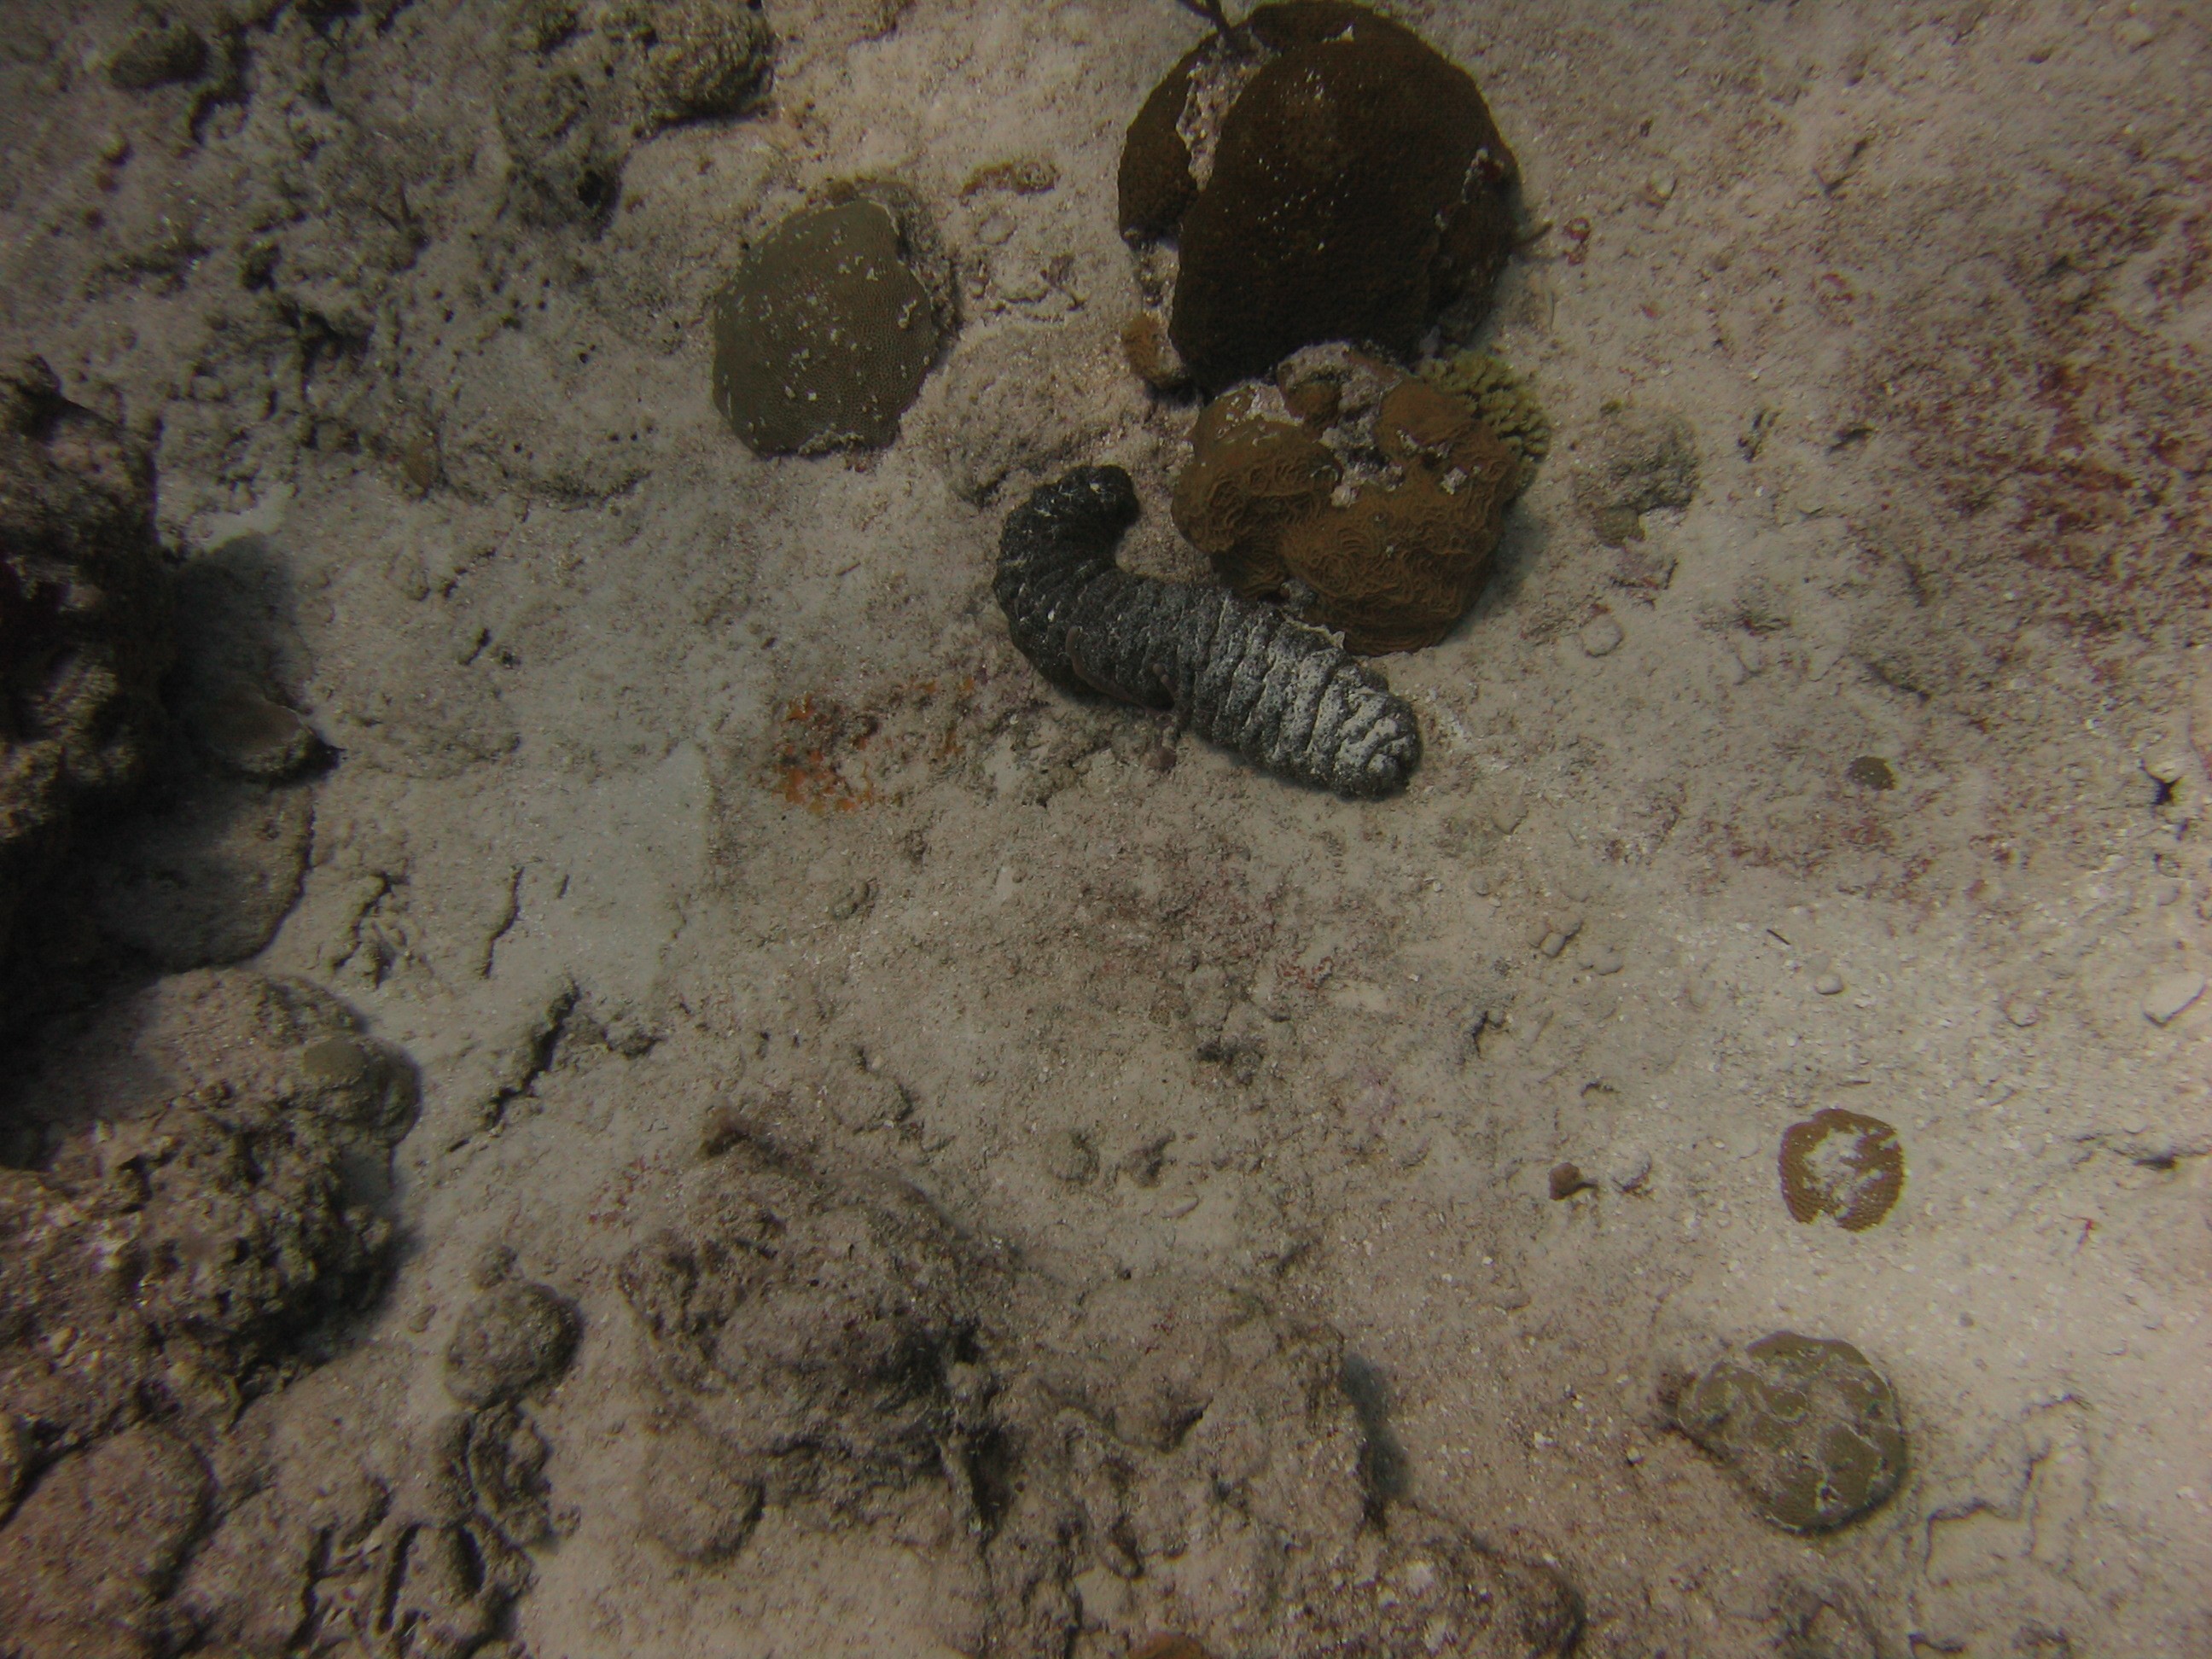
1844, 1165
1378, 511
1345, 181
827, 331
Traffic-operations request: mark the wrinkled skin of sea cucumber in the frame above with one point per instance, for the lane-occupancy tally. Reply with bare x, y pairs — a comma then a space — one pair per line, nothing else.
1280, 693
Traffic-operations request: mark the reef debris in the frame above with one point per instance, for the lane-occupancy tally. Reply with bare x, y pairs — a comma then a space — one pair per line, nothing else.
516, 1338
1639, 460
1326, 175
586, 79
820, 1337
830, 327
1368, 499
823, 1339
1280, 693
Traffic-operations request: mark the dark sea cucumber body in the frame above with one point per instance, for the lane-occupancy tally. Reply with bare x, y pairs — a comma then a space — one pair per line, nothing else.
1282, 694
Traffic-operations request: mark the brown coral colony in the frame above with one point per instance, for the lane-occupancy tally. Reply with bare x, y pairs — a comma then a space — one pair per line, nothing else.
1842, 1164
1375, 492
1355, 186
1335, 188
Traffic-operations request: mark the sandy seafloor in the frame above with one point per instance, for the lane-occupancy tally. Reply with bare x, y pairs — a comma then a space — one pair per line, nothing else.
1933, 285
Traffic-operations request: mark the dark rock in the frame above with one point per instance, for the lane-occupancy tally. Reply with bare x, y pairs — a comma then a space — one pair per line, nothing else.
252, 736
1358, 189
827, 331
84, 634
1871, 772
1806, 1426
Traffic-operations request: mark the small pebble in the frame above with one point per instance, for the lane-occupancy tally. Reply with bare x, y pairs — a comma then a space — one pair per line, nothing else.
1829, 984
1553, 943
1601, 637
2021, 1012
2170, 996
1567, 1179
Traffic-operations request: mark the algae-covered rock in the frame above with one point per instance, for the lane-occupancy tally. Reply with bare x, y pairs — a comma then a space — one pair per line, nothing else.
1367, 497
1339, 180
586, 79
86, 1561
827, 331
1806, 1426
210, 1204
696, 59
1638, 461
517, 1337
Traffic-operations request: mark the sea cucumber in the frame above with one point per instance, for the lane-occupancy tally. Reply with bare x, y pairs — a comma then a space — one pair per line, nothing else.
1280, 693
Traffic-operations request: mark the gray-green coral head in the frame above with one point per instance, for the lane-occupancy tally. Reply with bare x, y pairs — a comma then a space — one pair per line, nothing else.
826, 334
1808, 1427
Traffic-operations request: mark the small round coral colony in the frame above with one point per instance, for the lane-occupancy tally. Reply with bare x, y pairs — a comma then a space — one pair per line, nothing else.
828, 330
1841, 1165
1808, 1427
